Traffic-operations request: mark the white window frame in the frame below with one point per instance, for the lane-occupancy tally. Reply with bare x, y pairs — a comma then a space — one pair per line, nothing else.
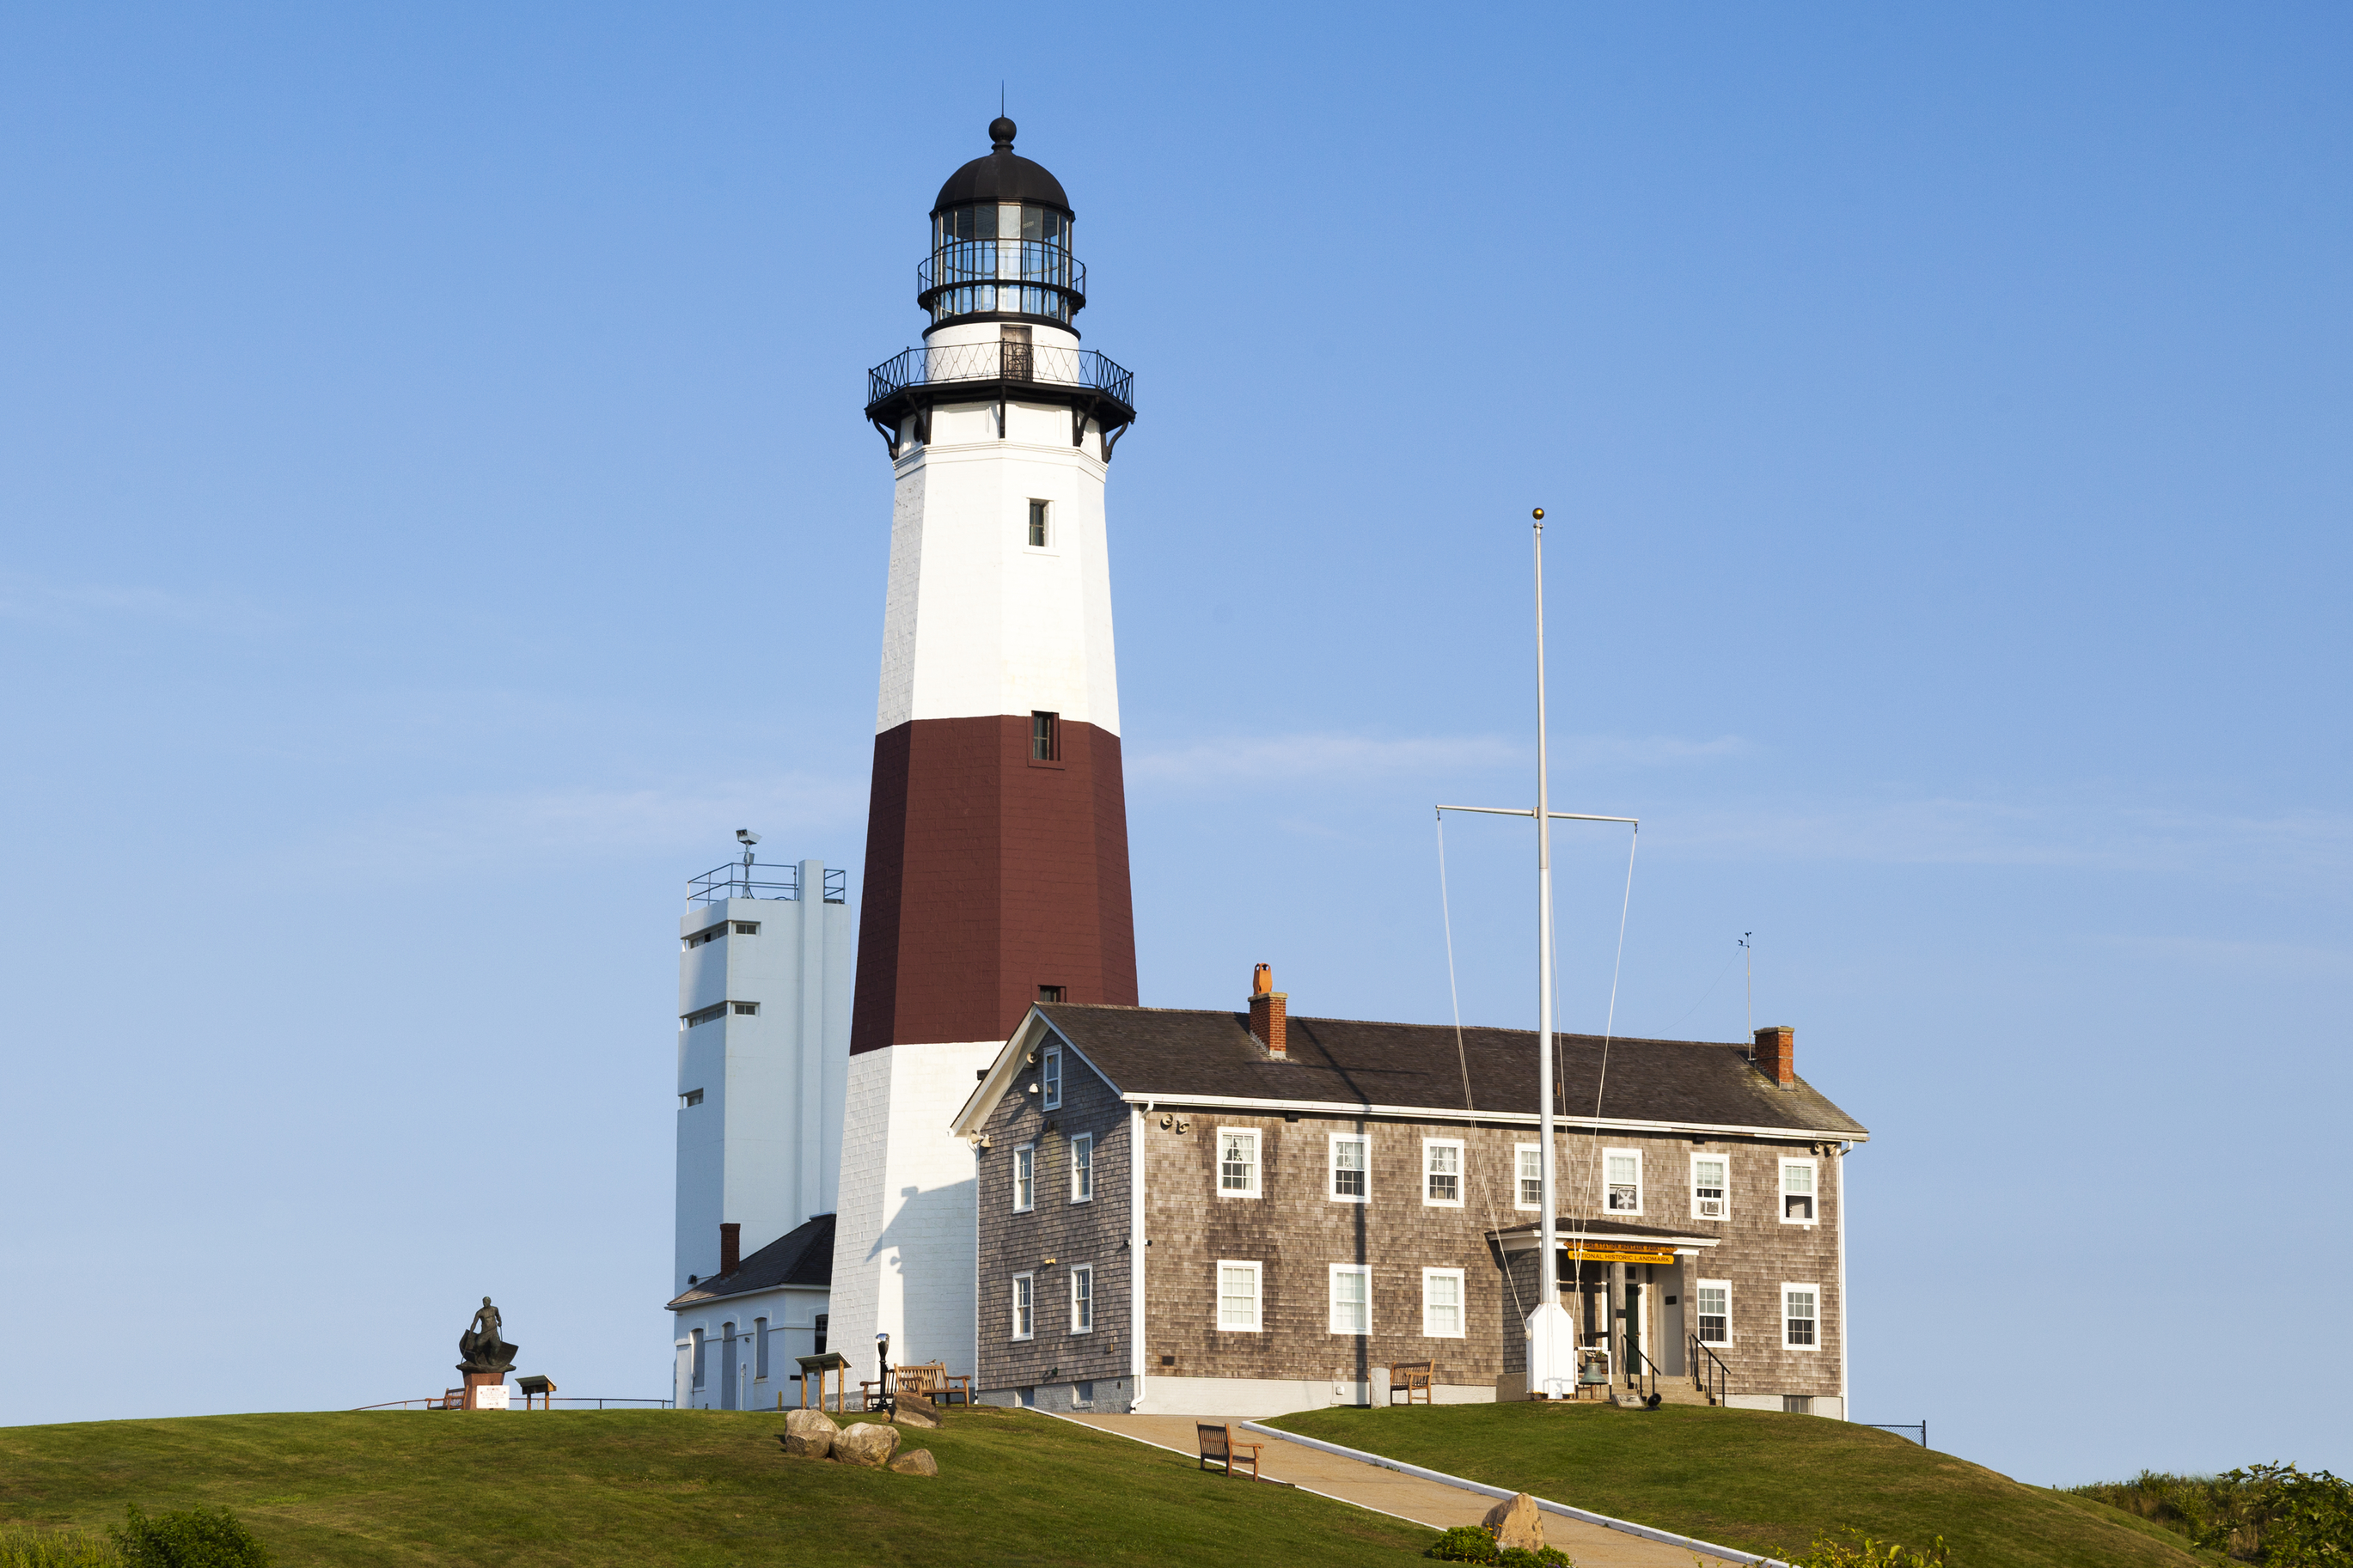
1332, 1299
1520, 1153
1047, 521
1700, 1284
1332, 1168
1724, 1195
1816, 1292
1258, 1295
1257, 1168
1085, 1299
1024, 1307
1083, 1192
1050, 1073
1025, 1175
1461, 1305
1461, 1173
1812, 1194
1608, 1155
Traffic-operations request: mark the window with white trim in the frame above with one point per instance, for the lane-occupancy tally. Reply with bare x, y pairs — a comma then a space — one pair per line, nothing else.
1711, 1186
1441, 1303
1025, 1306
1800, 1317
1797, 1192
1082, 1168
1351, 1178
1025, 1178
1441, 1173
1082, 1299
1238, 1296
1527, 1162
1711, 1311
1042, 530
1050, 1074
1238, 1162
1622, 1181
1352, 1298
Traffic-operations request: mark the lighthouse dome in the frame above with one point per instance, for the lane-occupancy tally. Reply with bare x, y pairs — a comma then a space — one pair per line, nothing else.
1002, 176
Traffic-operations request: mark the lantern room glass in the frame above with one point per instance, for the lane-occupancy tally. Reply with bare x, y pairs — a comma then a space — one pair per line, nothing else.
1001, 259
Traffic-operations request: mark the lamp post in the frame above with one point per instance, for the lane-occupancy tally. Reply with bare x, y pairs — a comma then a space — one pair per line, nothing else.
883, 1372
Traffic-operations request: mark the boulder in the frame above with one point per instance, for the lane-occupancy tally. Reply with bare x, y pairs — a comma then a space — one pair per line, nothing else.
1516, 1523
916, 1462
867, 1445
809, 1434
915, 1410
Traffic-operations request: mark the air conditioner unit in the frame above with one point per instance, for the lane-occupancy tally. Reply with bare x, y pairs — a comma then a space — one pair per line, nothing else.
1711, 1208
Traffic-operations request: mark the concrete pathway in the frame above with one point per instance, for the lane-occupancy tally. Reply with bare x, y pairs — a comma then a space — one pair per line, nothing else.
1432, 1503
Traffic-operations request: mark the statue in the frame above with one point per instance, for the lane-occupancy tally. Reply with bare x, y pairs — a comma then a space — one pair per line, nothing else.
480, 1346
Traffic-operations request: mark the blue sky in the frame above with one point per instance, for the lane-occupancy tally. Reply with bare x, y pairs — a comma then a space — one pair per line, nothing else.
435, 512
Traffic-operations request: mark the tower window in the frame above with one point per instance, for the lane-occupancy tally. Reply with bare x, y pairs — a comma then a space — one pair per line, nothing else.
1038, 536
706, 1015
692, 1096
747, 1007
1045, 737
747, 927
1050, 994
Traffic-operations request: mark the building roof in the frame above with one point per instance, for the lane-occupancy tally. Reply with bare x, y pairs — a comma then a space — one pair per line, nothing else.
802, 1256
1002, 176
1180, 1054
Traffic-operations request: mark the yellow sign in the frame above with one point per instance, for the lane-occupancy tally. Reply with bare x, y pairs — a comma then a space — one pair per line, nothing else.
1614, 1255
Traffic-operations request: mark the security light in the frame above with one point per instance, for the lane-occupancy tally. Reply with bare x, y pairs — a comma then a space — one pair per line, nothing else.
746, 838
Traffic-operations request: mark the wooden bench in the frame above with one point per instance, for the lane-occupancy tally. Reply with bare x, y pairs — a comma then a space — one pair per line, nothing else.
932, 1381
1409, 1378
1217, 1443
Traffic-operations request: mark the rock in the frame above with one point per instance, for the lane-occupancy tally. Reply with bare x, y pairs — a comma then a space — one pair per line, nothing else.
809, 1434
916, 1462
915, 1410
1517, 1524
867, 1445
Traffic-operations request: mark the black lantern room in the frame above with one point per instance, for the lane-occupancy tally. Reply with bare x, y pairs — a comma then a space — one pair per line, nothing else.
1001, 242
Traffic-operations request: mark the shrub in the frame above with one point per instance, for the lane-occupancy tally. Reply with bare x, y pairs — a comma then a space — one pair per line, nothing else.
2273, 1515
1476, 1543
21, 1547
1859, 1551
198, 1538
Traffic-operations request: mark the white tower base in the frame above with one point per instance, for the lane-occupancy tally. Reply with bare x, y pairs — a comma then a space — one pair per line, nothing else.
1551, 1351
905, 1243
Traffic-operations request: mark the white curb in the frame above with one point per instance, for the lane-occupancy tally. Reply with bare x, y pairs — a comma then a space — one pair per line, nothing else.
1667, 1537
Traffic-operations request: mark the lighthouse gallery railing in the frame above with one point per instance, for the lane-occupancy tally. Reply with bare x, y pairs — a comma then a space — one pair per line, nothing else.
1001, 362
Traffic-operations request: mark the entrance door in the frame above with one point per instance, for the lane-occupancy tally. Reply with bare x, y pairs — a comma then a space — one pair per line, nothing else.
1633, 1325
727, 1366
1018, 365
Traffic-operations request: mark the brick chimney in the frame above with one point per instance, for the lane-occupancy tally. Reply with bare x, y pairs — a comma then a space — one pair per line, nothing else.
730, 1247
1268, 1010
1777, 1053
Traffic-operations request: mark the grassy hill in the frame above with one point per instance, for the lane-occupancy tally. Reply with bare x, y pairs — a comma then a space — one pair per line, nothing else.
1756, 1480
678, 1488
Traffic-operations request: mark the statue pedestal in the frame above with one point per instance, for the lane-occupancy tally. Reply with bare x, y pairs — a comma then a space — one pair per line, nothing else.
485, 1390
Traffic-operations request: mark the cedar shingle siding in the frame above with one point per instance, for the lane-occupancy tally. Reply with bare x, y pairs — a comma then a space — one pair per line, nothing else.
1678, 1095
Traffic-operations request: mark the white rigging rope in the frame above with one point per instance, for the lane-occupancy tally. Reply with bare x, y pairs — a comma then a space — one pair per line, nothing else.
1461, 1057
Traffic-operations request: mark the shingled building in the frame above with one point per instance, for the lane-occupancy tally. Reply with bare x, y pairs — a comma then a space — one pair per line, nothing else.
1243, 1214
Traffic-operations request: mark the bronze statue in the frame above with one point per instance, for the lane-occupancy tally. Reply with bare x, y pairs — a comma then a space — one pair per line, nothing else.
480, 1346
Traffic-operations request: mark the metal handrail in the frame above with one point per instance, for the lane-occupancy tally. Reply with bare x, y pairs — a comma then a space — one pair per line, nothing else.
1712, 1379
1001, 361
737, 880
1641, 1373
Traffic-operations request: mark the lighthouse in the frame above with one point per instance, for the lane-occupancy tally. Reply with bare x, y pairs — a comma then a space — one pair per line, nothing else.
997, 839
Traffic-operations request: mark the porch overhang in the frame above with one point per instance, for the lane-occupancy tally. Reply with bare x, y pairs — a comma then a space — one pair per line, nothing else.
1615, 1245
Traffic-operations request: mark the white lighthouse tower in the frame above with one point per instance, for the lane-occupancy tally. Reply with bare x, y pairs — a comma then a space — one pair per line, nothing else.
996, 844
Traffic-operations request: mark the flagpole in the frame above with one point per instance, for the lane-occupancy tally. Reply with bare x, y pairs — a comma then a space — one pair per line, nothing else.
1548, 1270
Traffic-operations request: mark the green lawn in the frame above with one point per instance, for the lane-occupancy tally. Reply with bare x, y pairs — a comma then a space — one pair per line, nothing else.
1756, 1480
675, 1488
